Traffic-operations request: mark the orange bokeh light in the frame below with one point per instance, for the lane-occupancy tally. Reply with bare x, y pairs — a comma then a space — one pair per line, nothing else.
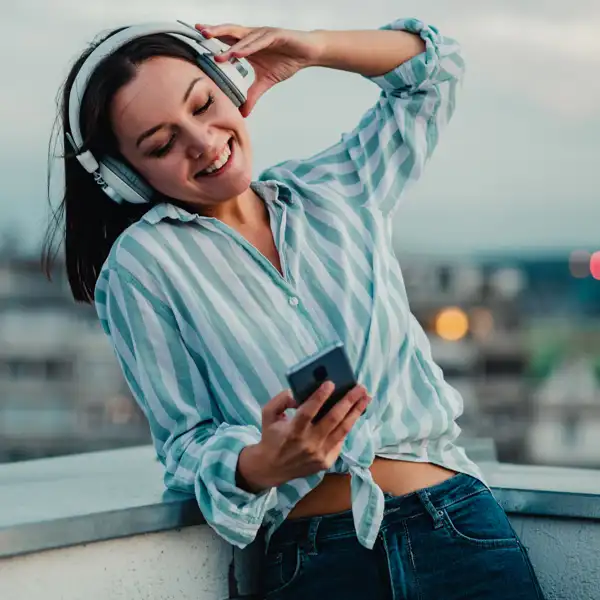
452, 324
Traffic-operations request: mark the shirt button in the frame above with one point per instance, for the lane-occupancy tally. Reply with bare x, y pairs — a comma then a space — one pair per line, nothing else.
293, 301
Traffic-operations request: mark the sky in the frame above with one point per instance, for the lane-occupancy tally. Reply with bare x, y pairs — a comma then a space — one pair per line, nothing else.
516, 170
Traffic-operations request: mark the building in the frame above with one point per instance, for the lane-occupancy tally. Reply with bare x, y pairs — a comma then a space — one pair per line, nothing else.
61, 390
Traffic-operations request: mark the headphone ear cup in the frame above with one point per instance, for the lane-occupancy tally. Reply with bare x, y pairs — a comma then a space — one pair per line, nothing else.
220, 79
125, 181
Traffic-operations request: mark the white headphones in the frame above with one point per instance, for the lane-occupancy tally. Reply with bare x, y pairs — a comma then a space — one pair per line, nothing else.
118, 180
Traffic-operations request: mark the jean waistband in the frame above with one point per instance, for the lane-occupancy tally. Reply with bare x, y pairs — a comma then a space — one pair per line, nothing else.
428, 500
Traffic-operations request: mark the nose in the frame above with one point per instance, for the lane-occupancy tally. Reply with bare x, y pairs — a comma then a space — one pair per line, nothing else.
199, 139
195, 148
194, 152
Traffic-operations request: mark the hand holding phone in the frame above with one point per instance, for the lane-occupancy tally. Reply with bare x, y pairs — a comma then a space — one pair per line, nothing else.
312, 440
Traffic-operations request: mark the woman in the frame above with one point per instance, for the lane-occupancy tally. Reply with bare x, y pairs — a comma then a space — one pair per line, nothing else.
209, 295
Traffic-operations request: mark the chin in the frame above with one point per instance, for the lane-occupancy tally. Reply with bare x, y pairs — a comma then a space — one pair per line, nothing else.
235, 185
243, 181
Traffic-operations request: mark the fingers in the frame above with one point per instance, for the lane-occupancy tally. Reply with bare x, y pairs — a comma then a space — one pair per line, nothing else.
243, 41
308, 410
342, 409
230, 30
257, 89
274, 409
253, 42
343, 429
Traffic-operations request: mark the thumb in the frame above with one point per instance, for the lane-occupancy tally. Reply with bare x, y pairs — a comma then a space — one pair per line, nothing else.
256, 90
275, 408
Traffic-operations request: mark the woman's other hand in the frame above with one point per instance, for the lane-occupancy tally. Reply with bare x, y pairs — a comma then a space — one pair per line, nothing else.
275, 54
298, 447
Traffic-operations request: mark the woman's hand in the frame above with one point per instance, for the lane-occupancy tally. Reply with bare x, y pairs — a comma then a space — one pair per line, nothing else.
297, 447
275, 54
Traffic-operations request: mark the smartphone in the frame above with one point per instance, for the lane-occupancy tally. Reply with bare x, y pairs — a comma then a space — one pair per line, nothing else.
329, 364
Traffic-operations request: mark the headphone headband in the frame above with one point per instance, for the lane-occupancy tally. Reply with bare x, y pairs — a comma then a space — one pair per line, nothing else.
118, 181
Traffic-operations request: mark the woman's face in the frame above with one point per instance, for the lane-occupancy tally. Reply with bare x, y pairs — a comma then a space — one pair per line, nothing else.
174, 125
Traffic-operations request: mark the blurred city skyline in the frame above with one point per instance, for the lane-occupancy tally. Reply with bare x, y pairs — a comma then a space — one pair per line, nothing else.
514, 172
511, 187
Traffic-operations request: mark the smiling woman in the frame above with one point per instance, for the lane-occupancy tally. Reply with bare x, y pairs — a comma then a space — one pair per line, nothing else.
176, 140
92, 223
212, 289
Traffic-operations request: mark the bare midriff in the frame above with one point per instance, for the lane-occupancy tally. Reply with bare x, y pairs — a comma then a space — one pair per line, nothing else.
396, 477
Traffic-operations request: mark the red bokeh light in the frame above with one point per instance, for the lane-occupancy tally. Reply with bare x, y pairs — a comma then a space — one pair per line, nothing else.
595, 265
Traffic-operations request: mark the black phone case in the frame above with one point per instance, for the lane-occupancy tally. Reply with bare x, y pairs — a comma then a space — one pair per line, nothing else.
331, 364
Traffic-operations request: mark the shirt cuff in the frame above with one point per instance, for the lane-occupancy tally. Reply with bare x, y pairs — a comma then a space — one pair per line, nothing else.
418, 71
233, 512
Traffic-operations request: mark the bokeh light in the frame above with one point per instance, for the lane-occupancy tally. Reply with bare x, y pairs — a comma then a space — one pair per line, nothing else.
481, 323
579, 263
595, 265
452, 324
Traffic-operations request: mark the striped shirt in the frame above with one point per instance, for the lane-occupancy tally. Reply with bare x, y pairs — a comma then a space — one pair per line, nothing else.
204, 327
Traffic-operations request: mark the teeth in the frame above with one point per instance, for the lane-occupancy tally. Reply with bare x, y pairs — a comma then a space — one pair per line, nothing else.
223, 158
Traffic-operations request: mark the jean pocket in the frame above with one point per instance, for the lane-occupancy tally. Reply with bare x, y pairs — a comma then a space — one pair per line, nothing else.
480, 521
281, 568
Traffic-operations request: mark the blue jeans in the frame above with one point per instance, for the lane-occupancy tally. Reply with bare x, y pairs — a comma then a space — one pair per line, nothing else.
451, 541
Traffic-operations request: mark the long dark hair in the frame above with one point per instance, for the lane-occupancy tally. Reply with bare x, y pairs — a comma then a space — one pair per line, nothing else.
90, 221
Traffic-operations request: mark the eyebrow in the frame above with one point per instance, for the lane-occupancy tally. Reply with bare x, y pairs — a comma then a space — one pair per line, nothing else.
154, 129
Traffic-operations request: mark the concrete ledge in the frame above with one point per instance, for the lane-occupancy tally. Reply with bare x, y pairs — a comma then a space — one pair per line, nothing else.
545, 491
60, 502
64, 501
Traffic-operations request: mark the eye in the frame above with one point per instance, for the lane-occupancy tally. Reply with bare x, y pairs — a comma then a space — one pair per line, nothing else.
206, 106
163, 150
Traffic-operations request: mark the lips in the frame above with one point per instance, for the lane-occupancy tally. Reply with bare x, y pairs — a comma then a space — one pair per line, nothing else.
203, 173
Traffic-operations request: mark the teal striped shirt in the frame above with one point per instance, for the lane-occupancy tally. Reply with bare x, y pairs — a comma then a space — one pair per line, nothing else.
204, 327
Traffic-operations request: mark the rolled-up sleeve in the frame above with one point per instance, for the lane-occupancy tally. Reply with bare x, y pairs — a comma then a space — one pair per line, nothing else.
166, 377
375, 163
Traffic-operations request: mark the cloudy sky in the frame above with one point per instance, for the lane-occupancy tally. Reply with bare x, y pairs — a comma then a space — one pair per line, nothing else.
517, 169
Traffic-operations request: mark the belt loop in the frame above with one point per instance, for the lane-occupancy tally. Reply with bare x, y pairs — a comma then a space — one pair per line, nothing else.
311, 536
436, 515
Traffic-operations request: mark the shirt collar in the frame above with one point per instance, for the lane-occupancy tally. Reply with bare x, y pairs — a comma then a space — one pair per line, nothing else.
271, 191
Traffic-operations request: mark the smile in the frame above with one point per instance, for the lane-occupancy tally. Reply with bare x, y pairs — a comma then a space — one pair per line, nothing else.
221, 164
